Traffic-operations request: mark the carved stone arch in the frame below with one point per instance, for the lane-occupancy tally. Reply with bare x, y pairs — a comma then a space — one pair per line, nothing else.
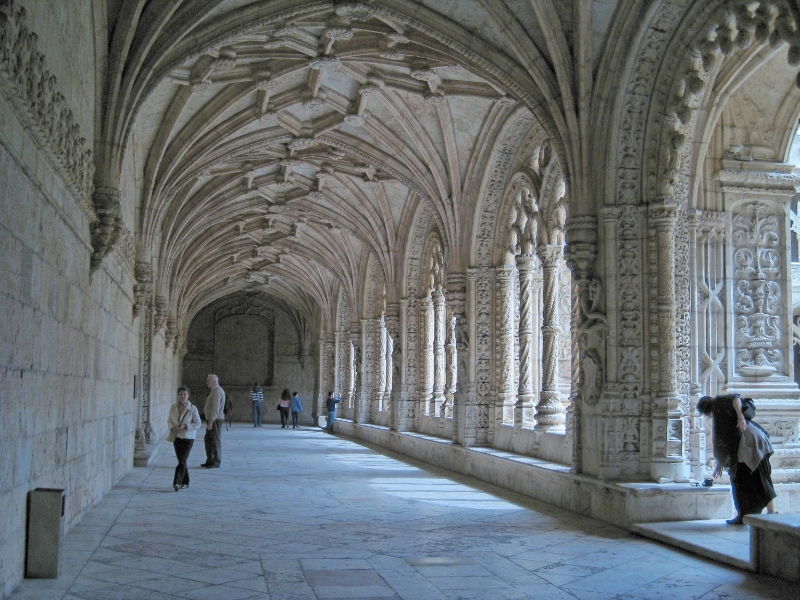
493, 188
510, 210
719, 29
433, 252
416, 241
374, 296
553, 204
342, 311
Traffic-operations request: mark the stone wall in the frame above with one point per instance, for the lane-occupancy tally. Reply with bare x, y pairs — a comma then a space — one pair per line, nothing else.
245, 337
68, 349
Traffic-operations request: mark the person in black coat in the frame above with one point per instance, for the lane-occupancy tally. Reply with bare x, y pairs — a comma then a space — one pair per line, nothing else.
752, 489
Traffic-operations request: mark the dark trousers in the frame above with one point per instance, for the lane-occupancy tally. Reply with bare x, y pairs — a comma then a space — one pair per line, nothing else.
182, 450
213, 443
284, 410
257, 413
294, 418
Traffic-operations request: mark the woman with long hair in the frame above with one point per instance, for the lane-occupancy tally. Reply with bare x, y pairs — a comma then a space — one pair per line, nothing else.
283, 408
742, 447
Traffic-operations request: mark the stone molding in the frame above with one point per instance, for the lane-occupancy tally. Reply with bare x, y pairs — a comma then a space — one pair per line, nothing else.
33, 90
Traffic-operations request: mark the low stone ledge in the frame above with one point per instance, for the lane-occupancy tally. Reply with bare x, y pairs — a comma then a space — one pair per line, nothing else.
775, 544
620, 504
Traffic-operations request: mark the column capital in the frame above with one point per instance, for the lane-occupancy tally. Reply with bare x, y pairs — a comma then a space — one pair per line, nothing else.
526, 262
664, 213
550, 254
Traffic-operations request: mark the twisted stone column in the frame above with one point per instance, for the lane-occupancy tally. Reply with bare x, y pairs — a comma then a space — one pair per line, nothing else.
507, 397
524, 409
551, 415
439, 330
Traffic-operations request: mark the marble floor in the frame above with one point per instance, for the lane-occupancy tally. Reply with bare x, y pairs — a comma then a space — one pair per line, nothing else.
300, 514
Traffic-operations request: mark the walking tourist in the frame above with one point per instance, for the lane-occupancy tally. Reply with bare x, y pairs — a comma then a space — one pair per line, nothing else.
257, 397
183, 423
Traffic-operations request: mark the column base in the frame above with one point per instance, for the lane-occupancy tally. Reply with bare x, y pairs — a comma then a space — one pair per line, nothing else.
144, 457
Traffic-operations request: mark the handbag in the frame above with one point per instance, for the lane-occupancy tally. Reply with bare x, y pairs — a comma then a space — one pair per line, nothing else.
171, 436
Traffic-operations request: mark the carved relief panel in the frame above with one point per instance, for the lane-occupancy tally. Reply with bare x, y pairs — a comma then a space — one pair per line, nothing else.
758, 295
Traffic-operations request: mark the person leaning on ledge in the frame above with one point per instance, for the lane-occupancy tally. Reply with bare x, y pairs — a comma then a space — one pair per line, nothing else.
215, 413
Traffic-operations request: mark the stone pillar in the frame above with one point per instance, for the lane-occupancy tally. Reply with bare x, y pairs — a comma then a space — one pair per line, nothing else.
145, 448
457, 356
589, 329
439, 332
327, 350
381, 340
524, 409
426, 372
507, 395
362, 407
393, 360
551, 415
668, 416
402, 396
355, 371
450, 356
467, 395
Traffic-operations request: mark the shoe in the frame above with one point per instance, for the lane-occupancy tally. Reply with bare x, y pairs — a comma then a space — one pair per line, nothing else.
737, 520
206, 466
214, 467
176, 487
184, 486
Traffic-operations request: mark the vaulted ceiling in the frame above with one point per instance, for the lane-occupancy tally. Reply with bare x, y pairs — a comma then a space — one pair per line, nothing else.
278, 145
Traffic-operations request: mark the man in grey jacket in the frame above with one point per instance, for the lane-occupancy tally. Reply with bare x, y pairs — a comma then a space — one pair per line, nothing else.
214, 412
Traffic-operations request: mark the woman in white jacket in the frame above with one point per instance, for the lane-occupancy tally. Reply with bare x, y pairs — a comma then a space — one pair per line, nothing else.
183, 423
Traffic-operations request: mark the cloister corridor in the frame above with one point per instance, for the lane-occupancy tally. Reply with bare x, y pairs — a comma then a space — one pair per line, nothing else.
302, 515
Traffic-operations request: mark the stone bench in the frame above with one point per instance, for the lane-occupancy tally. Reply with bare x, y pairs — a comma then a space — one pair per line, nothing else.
775, 544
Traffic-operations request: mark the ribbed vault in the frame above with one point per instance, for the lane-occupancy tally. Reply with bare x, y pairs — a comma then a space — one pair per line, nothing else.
281, 144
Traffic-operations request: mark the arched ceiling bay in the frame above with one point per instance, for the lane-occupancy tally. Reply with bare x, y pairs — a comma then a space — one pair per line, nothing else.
284, 143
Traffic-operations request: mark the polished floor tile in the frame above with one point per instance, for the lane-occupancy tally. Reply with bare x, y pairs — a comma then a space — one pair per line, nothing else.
303, 515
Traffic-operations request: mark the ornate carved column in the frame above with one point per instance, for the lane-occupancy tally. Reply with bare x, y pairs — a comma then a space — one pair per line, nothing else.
589, 328
450, 357
524, 409
108, 227
439, 331
457, 357
668, 413
484, 354
426, 355
145, 448
362, 407
381, 358
507, 394
327, 349
392, 320
355, 370
403, 398
551, 416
